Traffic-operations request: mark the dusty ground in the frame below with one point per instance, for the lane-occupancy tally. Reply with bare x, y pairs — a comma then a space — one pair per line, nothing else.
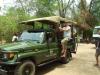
81, 64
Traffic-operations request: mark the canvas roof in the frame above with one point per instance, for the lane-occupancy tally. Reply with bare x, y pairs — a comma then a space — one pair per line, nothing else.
53, 20
48, 20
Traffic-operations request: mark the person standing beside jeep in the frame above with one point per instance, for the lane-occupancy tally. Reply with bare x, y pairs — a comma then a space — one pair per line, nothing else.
66, 36
97, 54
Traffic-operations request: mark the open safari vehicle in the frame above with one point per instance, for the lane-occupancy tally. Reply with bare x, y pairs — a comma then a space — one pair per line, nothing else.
37, 46
50, 27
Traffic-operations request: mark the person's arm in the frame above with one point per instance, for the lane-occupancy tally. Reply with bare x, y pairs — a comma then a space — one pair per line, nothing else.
61, 29
64, 28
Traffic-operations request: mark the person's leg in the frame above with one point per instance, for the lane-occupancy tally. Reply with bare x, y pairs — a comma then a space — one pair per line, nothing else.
62, 44
64, 48
97, 54
97, 60
63, 54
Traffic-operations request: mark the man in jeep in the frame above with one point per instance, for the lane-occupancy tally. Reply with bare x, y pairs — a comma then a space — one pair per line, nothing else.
67, 35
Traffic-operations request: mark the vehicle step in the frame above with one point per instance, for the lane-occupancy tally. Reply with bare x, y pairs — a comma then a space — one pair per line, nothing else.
47, 62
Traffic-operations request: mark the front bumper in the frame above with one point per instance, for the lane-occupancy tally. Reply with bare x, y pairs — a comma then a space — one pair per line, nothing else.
9, 68
3, 72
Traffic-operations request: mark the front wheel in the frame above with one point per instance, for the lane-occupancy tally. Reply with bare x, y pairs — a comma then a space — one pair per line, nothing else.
26, 68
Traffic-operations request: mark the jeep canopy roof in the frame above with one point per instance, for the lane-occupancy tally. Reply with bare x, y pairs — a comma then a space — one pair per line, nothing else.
53, 20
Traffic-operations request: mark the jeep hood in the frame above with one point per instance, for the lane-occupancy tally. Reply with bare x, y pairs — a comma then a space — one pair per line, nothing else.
17, 46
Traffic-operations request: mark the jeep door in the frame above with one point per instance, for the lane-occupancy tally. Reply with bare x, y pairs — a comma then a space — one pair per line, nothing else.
52, 45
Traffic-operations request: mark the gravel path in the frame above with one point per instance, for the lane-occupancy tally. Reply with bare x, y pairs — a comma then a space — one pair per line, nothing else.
81, 64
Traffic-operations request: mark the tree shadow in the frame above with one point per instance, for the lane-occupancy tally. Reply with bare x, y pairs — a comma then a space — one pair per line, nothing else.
49, 67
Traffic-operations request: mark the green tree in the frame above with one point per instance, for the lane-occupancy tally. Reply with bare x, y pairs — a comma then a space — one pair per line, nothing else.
95, 10
76, 10
9, 23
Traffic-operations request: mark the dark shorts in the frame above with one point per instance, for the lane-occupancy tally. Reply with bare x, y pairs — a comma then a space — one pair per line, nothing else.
97, 51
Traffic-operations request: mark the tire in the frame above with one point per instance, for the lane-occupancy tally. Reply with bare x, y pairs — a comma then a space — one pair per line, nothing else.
26, 68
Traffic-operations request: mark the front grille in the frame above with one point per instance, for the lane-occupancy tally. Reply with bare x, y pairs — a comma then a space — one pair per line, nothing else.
1, 55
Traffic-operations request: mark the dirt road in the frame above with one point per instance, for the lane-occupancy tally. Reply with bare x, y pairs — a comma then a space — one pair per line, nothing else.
81, 64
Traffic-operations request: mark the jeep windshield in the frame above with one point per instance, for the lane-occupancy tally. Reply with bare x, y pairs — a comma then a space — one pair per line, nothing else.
33, 36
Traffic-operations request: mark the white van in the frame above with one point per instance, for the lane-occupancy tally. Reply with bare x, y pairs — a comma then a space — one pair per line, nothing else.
95, 35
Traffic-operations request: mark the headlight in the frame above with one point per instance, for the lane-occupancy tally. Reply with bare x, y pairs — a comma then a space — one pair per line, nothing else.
9, 55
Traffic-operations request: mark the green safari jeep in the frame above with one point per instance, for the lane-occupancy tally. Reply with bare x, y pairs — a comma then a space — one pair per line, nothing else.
35, 47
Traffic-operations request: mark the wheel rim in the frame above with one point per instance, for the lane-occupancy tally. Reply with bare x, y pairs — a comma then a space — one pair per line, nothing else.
28, 70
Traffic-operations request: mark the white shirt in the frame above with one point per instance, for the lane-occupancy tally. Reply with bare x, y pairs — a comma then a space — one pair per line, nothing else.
67, 32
